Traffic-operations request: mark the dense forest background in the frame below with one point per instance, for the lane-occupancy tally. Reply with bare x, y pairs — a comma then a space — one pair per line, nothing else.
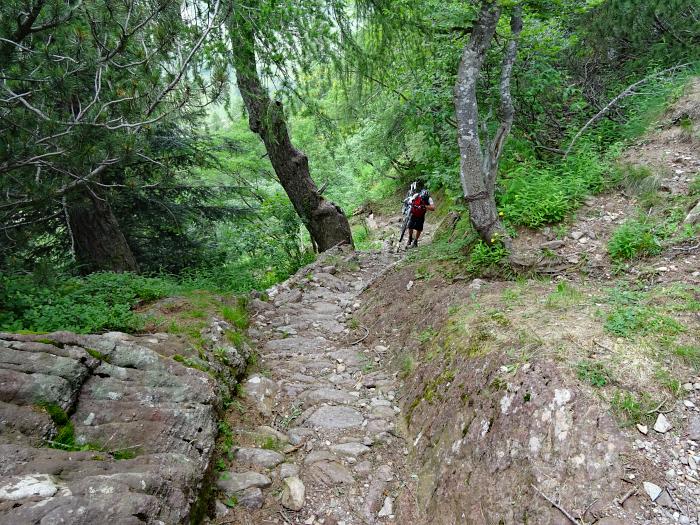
129, 171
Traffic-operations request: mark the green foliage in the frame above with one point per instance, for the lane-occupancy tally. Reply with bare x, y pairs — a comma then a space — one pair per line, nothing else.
98, 302
592, 372
236, 315
486, 257
634, 238
56, 413
535, 194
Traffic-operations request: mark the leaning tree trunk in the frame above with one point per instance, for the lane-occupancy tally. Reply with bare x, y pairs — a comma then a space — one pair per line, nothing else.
478, 165
98, 242
325, 221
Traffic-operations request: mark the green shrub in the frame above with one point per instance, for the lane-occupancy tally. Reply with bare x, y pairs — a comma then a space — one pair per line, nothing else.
484, 256
536, 194
98, 302
627, 321
635, 238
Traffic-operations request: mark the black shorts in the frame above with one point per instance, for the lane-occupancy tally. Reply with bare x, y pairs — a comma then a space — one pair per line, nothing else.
416, 223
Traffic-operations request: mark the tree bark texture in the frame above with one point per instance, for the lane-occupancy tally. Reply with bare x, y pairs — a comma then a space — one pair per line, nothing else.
479, 165
325, 221
98, 241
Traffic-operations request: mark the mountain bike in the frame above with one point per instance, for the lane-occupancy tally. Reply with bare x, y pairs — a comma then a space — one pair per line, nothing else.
406, 209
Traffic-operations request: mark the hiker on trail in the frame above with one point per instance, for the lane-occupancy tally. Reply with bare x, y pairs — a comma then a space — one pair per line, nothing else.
420, 203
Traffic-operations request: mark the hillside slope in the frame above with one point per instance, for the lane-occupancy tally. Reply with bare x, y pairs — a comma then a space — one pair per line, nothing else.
583, 388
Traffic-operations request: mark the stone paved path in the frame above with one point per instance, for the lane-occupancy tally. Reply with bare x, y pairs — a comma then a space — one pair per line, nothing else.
329, 404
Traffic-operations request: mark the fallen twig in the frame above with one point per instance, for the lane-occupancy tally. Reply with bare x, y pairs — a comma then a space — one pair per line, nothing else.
557, 506
598, 343
656, 410
361, 338
685, 248
631, 492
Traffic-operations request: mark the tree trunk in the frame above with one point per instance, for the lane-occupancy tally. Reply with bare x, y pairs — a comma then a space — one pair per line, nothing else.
478, 166
98, 242
325, 221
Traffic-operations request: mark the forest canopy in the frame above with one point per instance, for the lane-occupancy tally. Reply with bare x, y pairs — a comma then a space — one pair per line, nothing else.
219, 144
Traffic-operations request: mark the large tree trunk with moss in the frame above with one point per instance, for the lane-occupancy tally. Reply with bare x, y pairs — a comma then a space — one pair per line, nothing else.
98, 242
325, 221
479, 165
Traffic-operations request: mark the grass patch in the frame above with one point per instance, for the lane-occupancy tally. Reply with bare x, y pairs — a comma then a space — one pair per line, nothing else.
593, 373
236, 315
628, 321
564, 295
190, 363
689, 354
631, 408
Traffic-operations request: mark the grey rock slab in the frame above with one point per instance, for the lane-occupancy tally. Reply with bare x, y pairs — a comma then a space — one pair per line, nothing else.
318, 455
331, 473
297, 344
259, 456
327, 394
251, 498
350, 449
287, 470
232, 482
335, 417
293, 493
694, 428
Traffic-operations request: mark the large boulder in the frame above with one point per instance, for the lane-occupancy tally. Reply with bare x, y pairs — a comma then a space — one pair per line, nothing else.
132, 431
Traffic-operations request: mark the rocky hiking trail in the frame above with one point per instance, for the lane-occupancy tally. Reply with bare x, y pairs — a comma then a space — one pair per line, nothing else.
326, 405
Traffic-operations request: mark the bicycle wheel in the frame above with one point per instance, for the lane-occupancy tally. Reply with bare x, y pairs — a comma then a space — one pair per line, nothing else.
404, 225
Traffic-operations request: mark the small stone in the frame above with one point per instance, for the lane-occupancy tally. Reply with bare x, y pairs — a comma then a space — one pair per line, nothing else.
688, 403
221, 509
692, 463
293, 494
409, 285
387, 509
552, 245
251, 498
350, 449
576, 235
662, 424
643, 429
653, 490
688, 387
